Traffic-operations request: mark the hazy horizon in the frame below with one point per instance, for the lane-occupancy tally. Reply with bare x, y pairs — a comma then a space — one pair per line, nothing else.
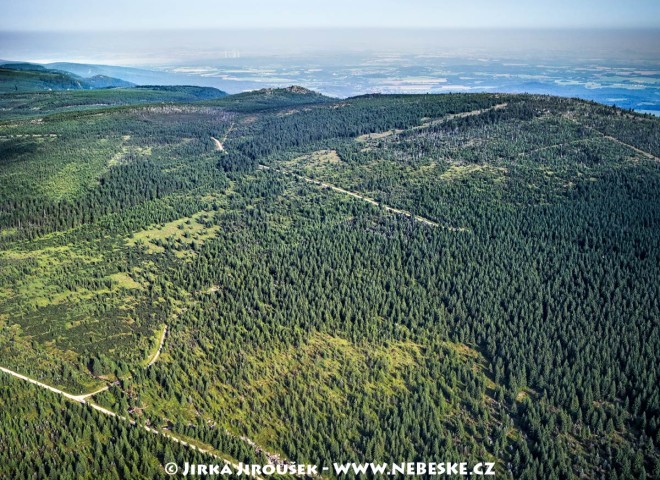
604, 51
72, 15
168, 47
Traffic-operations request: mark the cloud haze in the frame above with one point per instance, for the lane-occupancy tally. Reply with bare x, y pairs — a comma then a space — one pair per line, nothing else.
68, 15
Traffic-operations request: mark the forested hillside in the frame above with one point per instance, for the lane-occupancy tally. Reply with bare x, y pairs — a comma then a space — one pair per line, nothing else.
44, 436
23, 77
465, 277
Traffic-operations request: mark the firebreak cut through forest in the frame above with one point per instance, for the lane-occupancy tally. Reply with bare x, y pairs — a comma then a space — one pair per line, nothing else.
281, 275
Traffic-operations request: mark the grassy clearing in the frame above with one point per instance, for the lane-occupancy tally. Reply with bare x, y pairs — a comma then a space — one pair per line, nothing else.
30, 276
119, 157
323, 366
183, 232
57, 168
459, 172
65, 301
8, 232
124, 280
318, 158
326, 362
479, 363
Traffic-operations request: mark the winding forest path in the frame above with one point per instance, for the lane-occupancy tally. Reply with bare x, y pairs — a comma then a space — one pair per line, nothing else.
160, 347
82, 399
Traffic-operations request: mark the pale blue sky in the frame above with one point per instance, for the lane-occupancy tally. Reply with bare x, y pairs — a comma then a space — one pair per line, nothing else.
68, 15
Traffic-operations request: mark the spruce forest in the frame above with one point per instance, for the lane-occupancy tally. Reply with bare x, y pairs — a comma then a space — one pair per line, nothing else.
282, 276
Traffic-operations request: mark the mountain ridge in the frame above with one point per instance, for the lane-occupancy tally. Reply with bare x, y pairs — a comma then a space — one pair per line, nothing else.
23, 76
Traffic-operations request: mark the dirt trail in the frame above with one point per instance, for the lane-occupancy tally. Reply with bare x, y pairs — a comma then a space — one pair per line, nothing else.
555, 145
96, 392
641, 152
428, 123
83, 400
364, 198
160, 347
75, 398
220, 145
452, 116
499, 106
231, 127
616, 140
399, 211
150, 363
